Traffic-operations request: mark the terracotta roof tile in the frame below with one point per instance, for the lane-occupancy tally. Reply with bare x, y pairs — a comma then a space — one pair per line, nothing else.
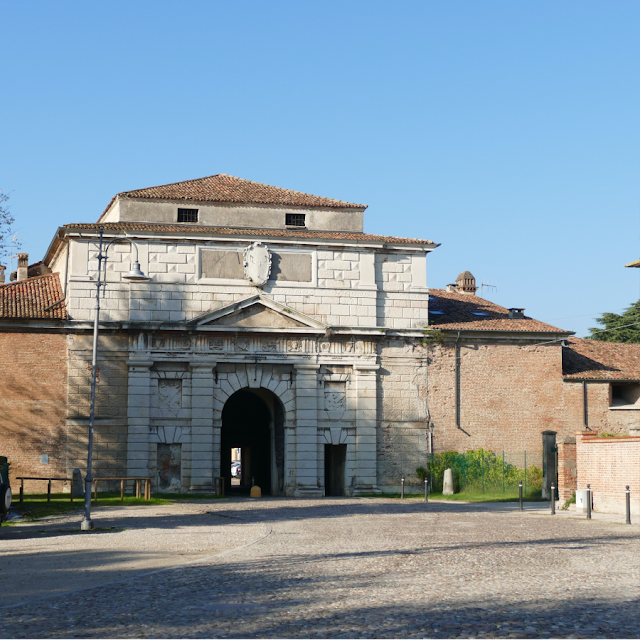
596, 360
31, 298
225, 188
235, 231
459, 315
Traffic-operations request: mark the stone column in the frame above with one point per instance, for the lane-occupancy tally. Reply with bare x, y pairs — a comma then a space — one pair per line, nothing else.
366, 412
307, 430
202, 449
138, 417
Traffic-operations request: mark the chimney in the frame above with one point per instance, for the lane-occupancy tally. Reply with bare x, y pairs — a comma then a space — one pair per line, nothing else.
516, 312
2, 268
466, 283
452, 288
23, 264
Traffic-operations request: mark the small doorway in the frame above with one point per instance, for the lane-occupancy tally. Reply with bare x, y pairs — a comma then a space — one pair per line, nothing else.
549, 464
335, 461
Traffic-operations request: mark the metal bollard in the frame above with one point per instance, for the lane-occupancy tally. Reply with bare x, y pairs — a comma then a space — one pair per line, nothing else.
402, 488
628, 509
553, 500
520, 491
588, 502
426, 490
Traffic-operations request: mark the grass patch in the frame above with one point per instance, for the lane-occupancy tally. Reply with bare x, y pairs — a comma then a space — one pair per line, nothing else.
464, 496
35, 505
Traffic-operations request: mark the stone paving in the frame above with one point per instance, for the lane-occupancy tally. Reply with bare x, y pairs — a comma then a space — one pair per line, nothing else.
328, 568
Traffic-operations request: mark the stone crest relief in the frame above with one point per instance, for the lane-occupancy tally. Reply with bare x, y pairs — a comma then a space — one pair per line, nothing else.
257, 263
170, 396
335, 399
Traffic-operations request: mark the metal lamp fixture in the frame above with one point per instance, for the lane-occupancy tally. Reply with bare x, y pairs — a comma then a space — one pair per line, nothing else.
134, 275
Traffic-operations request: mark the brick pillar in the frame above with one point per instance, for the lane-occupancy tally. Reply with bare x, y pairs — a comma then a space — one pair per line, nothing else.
567, 471
366, 414
138, 417
306, 436
202, 432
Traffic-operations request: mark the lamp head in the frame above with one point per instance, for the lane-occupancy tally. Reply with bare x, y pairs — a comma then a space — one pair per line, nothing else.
135, 274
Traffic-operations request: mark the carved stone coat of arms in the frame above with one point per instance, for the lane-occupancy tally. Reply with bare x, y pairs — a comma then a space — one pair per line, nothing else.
257, 263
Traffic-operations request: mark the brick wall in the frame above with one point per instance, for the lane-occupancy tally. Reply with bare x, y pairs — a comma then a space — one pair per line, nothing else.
608, 465
33, 391
510, 392
567, 469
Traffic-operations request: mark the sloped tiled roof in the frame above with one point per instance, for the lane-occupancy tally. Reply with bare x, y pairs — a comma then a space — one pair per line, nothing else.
236, 231
596, 360
458, 314
225, 188
31, 298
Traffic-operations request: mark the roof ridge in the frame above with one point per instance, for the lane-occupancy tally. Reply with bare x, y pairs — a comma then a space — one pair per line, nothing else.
171, 184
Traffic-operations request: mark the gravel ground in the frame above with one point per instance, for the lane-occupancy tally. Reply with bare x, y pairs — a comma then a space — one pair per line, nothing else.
348, 568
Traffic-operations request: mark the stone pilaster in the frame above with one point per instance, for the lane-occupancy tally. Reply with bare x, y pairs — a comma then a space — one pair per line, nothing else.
307, 430
138, 417
202, 431
366, 394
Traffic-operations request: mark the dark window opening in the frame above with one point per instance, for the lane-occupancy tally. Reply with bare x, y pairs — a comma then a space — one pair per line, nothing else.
187, 215
625, 395
295, 220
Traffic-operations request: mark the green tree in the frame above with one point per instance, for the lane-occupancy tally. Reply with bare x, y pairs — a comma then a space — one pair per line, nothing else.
624, 327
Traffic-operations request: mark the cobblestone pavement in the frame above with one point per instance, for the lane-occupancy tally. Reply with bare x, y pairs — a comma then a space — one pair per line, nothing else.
352, 568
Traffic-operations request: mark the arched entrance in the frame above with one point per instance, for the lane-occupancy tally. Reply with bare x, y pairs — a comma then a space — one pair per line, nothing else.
253, 421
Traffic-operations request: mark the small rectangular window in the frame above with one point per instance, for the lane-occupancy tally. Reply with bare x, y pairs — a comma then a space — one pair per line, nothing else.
187, 215
479, 313
295, 220
625, 395
436, 312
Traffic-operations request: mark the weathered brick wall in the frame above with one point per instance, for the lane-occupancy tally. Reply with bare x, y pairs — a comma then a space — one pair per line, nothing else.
609, 465
110, 433
510, 392
601, 417
567, 469
33, 391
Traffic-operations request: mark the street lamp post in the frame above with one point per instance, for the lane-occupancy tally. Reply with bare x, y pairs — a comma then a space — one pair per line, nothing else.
134, 275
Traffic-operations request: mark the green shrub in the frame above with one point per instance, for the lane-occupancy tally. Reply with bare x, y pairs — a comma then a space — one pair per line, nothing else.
478, 470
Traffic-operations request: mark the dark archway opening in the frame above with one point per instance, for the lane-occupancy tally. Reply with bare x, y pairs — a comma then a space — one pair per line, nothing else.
253, 421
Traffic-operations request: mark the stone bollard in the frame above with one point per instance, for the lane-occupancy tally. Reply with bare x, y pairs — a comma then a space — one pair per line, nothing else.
78, 486
256, 492
627, 505
447, 485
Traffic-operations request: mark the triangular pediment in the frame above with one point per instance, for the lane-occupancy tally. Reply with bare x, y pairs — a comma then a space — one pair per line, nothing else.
258, 313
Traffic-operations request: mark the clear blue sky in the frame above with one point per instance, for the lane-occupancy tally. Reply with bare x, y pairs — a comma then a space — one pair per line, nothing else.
508, 131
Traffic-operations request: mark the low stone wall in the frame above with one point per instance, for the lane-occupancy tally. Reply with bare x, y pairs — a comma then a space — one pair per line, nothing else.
609, 465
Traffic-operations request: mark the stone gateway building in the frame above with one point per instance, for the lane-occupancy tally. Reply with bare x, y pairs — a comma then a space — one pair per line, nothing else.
268, 322
264, 320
